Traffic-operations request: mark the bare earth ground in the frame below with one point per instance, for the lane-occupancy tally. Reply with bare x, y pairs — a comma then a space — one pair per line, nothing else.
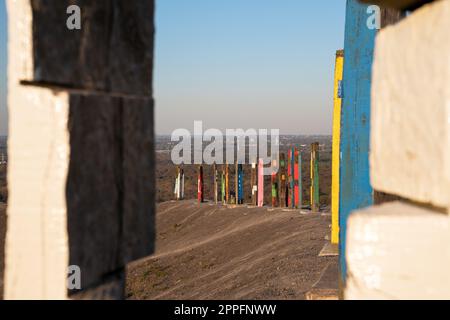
213, 252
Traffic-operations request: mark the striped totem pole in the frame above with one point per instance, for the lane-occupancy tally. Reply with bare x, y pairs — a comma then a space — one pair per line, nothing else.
282, 181
315, 204
295, 176
274, 184
335, 175
254, 184
260, 183
200, 195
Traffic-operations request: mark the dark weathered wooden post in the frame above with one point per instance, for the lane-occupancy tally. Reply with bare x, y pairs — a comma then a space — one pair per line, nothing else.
315, 203
85, 197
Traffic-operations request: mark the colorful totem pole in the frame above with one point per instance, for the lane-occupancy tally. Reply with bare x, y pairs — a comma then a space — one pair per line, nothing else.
338, 71
300, 180
315, 204
223, 196
254, 184
236, 183
274, 184
179, 184
240, 189
282, 182
295, 175
200, 195
216, 183
289, 179
260, 183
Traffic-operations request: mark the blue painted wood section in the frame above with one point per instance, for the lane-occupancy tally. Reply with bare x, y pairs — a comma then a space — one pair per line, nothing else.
240, 184
355, 189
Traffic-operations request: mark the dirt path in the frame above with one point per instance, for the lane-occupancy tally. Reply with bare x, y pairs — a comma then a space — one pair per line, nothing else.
213, 252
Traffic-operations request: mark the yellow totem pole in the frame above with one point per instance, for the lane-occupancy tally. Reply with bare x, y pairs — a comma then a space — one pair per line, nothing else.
336, 146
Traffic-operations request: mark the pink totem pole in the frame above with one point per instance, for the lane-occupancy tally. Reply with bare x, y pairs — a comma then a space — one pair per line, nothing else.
260, 183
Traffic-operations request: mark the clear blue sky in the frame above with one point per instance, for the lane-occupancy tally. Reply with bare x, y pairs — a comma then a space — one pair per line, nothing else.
239, 64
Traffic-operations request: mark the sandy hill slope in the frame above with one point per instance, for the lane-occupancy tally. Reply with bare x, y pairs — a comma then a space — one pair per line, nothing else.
213, 252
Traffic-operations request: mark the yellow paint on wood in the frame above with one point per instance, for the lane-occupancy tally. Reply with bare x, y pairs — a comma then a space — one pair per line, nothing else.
336, 148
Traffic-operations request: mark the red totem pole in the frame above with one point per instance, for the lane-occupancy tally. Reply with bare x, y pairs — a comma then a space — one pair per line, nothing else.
200, 195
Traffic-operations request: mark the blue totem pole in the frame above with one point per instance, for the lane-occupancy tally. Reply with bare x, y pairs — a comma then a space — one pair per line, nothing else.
355, 189
240, 193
